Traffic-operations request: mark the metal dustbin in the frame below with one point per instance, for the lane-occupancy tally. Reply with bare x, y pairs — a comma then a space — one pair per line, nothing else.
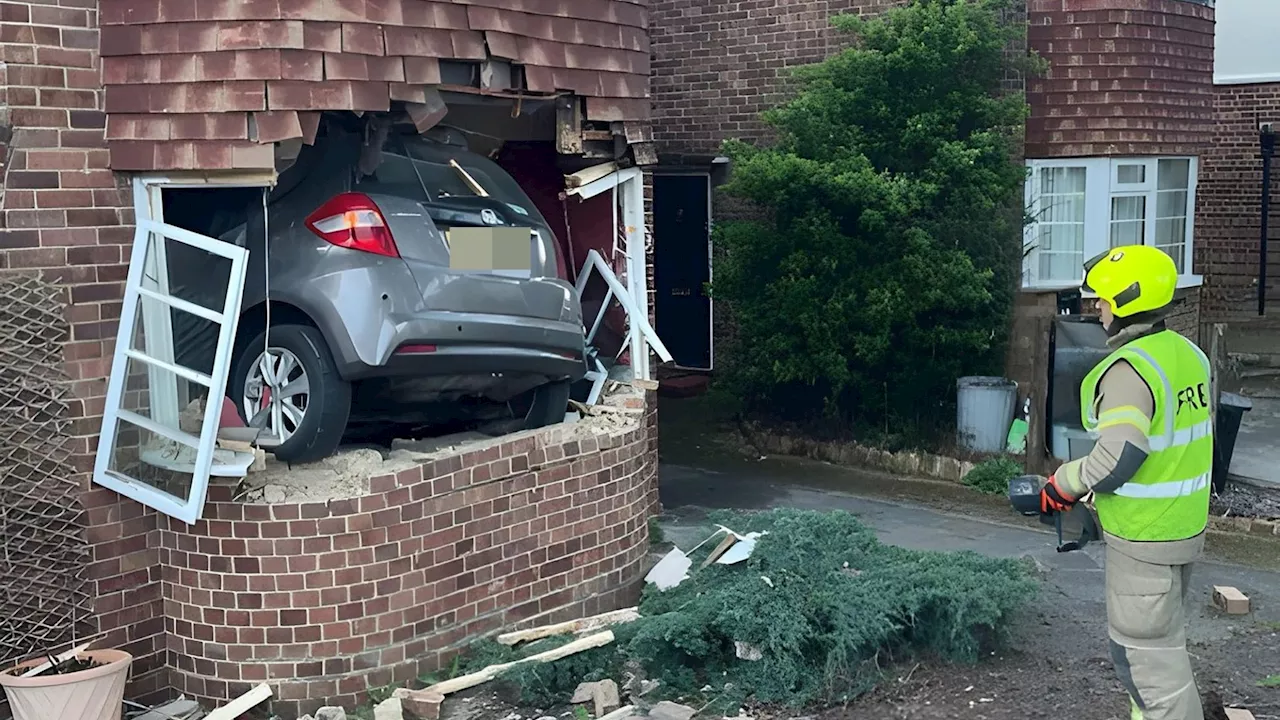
1231, 410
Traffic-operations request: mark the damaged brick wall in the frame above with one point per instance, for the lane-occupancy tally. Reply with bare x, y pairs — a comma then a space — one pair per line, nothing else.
211, 85
1229, 209
327, 600
63, 215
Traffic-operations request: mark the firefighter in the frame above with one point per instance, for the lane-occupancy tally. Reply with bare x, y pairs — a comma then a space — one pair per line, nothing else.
1147, 478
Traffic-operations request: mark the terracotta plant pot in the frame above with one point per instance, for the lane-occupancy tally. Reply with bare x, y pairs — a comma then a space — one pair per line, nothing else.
94, 694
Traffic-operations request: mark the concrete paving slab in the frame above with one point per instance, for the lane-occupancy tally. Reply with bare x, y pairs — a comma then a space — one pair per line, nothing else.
1256, 459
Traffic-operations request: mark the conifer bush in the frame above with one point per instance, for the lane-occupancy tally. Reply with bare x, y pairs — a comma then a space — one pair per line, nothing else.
826, 604
887, 261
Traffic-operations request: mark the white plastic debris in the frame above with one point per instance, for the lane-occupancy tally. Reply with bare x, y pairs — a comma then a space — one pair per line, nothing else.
670, 571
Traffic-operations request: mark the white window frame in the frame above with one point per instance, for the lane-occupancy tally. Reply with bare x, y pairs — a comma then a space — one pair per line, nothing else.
159, 354
1101, 185
626, 185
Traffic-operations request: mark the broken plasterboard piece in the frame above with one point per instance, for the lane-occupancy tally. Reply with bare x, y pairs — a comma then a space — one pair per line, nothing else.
1230, 600
740, 550
670, 571
1239, 714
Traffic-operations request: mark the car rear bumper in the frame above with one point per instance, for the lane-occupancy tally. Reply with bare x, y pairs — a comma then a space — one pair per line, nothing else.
452, 343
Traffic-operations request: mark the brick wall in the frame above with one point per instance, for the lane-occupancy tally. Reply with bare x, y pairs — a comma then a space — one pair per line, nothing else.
1126, 77
1228, 213
327, 600
62, 213
717, 64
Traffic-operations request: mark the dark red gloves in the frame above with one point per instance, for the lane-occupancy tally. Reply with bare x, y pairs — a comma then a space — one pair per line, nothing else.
1054, 499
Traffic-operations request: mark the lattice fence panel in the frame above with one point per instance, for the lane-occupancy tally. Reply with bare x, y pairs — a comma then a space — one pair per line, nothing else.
44, 596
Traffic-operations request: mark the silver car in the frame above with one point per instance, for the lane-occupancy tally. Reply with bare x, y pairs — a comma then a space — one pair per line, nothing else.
371, 334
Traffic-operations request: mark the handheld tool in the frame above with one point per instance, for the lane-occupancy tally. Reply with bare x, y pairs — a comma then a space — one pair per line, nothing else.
1076, 528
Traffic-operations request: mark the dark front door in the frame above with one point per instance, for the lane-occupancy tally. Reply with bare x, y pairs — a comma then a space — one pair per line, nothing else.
682, 267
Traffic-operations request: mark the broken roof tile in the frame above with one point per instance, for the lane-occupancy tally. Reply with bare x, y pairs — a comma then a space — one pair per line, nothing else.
609, 11
274, 126
502, 45
363, 39
310, 122
540, 79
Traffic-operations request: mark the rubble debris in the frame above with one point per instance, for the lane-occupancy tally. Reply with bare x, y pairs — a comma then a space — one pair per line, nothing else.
485, 675
242, 704
623, 713
1238, 714
180, 709
1230, 600
602, 693
577, 627
750, 653
820, 630
60, 657
419, 704
667, 710
331, 712
389, 709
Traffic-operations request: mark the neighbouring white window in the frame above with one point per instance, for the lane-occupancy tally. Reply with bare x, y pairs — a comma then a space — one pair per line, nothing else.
1080, 207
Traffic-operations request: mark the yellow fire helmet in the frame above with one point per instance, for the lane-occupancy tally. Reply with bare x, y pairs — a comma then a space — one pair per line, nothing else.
1133, 279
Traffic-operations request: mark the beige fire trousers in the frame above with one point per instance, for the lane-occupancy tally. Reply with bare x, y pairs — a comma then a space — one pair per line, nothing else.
1147, 618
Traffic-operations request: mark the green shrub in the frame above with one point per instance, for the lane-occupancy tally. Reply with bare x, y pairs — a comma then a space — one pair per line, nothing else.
992, 476
889, 256
826, 604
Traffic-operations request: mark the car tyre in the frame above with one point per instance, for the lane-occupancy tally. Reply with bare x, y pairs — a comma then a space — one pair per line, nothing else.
328, 402
550, 402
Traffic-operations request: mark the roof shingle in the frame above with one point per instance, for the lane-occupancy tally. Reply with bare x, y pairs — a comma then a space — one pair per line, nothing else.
211, 83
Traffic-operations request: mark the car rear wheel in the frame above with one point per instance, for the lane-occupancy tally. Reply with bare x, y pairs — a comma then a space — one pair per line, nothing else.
293, 392
549, 405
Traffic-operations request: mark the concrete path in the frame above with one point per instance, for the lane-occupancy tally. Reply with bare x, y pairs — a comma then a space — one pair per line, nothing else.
1074, 579
1256, 459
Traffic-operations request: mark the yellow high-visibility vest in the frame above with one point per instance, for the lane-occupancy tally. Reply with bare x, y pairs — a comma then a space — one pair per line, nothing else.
1168, 498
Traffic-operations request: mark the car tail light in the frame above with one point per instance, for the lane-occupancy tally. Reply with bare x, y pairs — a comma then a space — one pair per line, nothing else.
415, 349
352, 220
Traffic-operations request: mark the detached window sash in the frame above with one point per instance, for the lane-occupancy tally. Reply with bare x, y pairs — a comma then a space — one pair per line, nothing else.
1081, 207
139, 424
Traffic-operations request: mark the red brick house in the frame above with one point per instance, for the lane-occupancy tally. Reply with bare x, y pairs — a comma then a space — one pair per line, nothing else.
1246, 95
1119, 139
106, 105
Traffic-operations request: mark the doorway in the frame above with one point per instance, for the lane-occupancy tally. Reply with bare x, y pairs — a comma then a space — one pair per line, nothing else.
682, 267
